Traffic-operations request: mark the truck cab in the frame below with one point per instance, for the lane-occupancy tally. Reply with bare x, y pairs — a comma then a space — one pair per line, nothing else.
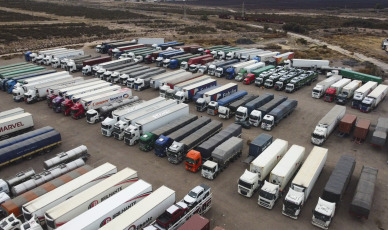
119, 128
147, 141
212, 108
196, 195
184, 65
66, 106
210, 169
18, 94
201, 105
193, 161
317, 92
87, 70
323, 214
10, 223
268, 122
268, 194
92, 116
107, 126
249, 79
367, 104
161, 145
255, 118
57, 104
77, 111
241, 113
179, 97
224, 112
330, 95
175, 152
248, 183
132, 135
259, 81
293, 203
319, 135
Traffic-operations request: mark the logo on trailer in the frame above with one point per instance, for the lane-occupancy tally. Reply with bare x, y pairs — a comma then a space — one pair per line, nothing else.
94, 203
126, 95
9, 127
104, 222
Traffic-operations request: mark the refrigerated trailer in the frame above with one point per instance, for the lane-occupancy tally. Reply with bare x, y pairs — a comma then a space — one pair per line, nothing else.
11, 112
16, 124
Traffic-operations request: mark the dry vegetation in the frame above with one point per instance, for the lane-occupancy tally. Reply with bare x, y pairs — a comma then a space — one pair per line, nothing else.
6, 16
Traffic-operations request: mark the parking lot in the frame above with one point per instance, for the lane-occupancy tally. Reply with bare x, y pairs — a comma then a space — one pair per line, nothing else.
229, 209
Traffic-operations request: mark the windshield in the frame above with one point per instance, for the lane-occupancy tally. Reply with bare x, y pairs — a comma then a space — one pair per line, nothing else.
176, 97
316, 91
159, 147
321, 216
208, 169
90, 115
105, 126
317, 136
15, 94
219, 71
211, 107
198, 103
190, 161
289, 87
267, 195
74, 111
291, 205
259, 80
240, 114
268, 122
363, 104
245, 184
162, 91
117, 129
193, 194
253, 117
279, 84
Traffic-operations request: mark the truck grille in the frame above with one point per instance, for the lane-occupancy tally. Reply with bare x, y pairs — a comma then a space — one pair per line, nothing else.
126, 141
104, 132
319, 222
116, 136
243, 191
264, 203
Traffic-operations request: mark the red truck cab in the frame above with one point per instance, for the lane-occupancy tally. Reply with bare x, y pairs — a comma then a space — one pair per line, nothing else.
77, 111
193, 161
172, 215
330, 95
66, 106
249, 79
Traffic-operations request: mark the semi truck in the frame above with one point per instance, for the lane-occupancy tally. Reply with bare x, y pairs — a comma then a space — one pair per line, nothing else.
156, 80
379, 136
307, 63
165, 141
279, 177
215, 95
177, 62
321, 87
203, 152
171, 93
304, 182
169, 83
107, 75
121, 126
115, 76
277, 114
178, 58
227, 112
185, 65
147, 140
167, 55
127, 77
116, 52
64, 157
346, 125
143, 81
178, 150
188, 92
89, 198
260, 167
248, 69
362, 92
40, 205
64, 62
374, 98
30, 147
89, 64
105, 46
243, 112
55, 59
235, 69
327, 124
14, 206
133, 132
25, 136
333, 192
80, 109
257, 115
145, 212
359, 76
300, 81
266, 57
15, 125
213, 106
100, 68
8, 84
111, 208
257, 146
212, 70
334, 90
362, 201
33, 56
76, 64
225, 153
279, 59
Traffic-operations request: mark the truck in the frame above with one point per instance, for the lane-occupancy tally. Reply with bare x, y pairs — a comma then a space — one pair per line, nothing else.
359, 76
15, 125
373, 99
279, 59
99, 69
126, 78
215, 95
145, 212
111, 208
106, 75
333, 192
156, 80
167, 55
321, 87
266, 57
133, 132
99, 48
362, 201
379, 136
108, 47
40, 205
8, 84
94, 116
362, 92
202, 66
121, 126
165, 141
134, 74
30, 56
235, 69
203, 152
257, 115
307, 63
304, 182
280, 112
213, 106
55, 59
173, 93
334, 90
14, 206
41, 91
176, 62
7, 185
48, 57
301, 80
282, 82
143, 81
148, 139
252, 179
88, 64
115, 76
80, 109
279, 177
119, 115
327, 124
76, 64
346, 125
227, 112
89, 198
28, 148
178, 150
189, 92
169, 83
361, 130
217, 69
225, 153
77, 97
185, 65
248, 69
243, 112
116, 52
64, 157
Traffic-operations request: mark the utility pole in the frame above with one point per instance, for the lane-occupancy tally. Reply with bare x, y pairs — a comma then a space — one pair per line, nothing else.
243, 10
184, 9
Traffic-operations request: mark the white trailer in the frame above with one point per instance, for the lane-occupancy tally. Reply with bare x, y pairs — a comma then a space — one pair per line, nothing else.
265, 57
62, 91
280, 176
166, 83
148, 124
155, 81
374, 98
251, 55
11, 112
308, 63
41, 91
339, 85
248, 69
96, 102
89, 198
44, 77
41, 58
77, 97
321, 87
327, 124
348, 92
304, 182
111, 208
119, 114
15, 124
56, 61
100, 68
49, 58
86, 89
40, 205
235, 54
237, 67
221, 92
180, 86
144, 212
121, 126
362, 92
261, 167
33, 56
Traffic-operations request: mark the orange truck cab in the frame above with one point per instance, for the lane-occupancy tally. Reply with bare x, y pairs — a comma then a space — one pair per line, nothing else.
330, 95
193, 161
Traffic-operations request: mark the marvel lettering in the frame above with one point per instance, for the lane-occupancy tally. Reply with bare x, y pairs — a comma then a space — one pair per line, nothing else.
12, 126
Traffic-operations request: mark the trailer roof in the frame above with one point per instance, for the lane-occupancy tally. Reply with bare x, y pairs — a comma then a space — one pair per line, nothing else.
382, 124
11, 111
151, 110
269, 152
363, 197
378, 91
17, 116
168, 127
332, 114
289, 160
121, 112
163, 113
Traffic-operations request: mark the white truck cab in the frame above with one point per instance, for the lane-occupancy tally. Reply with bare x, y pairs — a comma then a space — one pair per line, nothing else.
255, 118
248, 183
31, 225
323, 214
10, 223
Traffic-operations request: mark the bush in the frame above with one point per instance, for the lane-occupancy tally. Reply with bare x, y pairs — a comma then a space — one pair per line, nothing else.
295, 27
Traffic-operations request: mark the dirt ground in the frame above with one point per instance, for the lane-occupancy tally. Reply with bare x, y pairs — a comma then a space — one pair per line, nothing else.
230, 210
